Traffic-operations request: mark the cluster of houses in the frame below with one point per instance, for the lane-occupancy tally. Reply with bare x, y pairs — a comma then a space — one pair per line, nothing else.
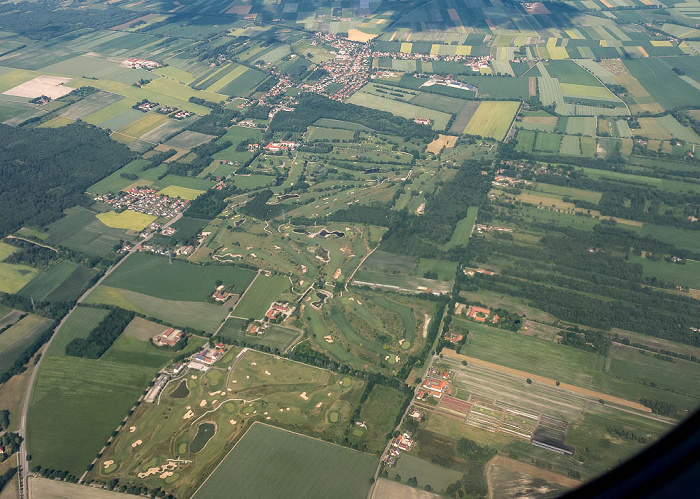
205, 358
282, 146
503, 181
350, 68
168, 338
422, 121
145, 200
146, 106
481, 228
481, 314
472, 272
436, 383
134, 63
403, 442
220, 294
477, 63
279, 312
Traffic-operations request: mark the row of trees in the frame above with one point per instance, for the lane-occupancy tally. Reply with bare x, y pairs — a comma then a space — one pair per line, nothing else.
102, 337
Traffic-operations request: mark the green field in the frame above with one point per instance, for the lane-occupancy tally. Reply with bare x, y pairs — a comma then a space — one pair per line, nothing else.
492, 119
400, 108
276, 337
153, 275
427, 473
46, 282
75, 404
261, 294
568, 364
6, 250
547, 142
687, 274
445, 270
463, 230
18, 337
274, 463
198, 315
81, 230
79, 325
133, 351
14, 277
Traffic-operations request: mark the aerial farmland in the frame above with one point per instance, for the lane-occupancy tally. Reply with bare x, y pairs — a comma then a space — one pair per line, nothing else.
377, 249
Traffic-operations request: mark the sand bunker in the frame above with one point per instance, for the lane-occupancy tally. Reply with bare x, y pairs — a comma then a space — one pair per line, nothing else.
166, 474
188, 415
253, 364
267, 372
319, 405
202, 403
304, 396
137, 443
158, 469
193, 377
232, 421
107, 464
132, 429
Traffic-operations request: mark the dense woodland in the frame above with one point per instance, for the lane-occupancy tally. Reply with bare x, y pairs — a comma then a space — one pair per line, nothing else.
46, 170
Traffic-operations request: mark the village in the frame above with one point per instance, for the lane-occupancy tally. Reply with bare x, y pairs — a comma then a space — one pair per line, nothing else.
145, 200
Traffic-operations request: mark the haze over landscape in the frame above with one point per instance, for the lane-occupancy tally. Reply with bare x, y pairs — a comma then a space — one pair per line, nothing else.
344, 249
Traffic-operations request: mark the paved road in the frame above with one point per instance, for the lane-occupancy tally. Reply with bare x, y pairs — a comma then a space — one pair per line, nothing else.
24, 464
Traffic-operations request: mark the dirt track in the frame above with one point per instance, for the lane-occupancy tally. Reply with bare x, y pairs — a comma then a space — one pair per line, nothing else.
549, 381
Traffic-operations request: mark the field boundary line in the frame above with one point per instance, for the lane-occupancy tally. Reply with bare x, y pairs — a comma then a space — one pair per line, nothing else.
548, 381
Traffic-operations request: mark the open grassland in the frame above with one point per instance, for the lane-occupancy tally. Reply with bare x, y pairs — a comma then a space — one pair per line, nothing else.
129, 350
687, 274
142, 126
155, 276
81, 230
78, 325
46, 282
400, 108
274, 463
427, 473
175, 191
566, 364
492, 119
127, 220
463, 230
18, 337
75, 404
261, 294
686, 239
44, 488
276, 337
14, 277
202, 316
6, 250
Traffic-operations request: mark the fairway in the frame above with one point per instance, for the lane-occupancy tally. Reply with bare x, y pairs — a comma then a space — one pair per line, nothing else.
492, 119
127, 220
273, 463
